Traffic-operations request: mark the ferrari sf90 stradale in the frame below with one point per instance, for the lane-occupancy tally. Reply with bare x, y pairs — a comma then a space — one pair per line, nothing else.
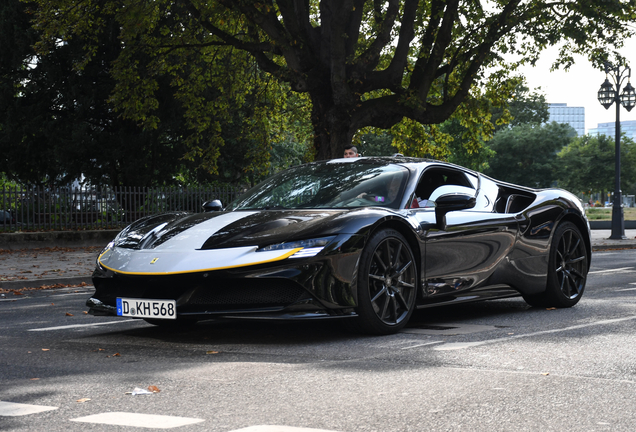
368, 240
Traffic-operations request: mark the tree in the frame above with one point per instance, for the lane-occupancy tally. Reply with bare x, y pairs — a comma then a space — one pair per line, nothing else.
525, 107
362, 63
57, 122
587, 164
475, 158
470, 150
375, 144
527, 154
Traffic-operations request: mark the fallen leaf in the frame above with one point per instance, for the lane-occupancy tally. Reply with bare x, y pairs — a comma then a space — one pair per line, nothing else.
545, 373
34, 379
69, 314
85, 313
211, 352
46, 349
153, 389
17, 293
83, 400
116, 355
553, 308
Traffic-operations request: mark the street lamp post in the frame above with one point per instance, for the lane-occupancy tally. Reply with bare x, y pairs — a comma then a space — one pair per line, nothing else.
607, 96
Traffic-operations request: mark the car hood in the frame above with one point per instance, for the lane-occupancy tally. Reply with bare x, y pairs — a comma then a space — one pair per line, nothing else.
239, 228
178, 242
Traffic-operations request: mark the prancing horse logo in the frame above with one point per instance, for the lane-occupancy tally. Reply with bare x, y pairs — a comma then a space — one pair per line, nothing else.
154, 260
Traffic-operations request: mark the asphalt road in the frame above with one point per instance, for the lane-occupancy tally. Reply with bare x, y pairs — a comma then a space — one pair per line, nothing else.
491, 366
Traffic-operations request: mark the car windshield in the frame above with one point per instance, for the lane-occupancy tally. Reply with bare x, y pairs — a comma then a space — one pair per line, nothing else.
328, 185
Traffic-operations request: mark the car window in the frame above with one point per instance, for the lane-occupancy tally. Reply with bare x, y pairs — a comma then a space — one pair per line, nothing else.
488, 192
331, 185
434, 178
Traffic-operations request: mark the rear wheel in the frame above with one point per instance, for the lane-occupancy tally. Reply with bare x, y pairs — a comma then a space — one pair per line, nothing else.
387, 284
567, 269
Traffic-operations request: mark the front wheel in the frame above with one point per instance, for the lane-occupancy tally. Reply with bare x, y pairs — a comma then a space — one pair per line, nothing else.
567, 269
387, 283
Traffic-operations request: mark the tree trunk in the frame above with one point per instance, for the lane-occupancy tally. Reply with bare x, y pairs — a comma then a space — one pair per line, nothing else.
332, 127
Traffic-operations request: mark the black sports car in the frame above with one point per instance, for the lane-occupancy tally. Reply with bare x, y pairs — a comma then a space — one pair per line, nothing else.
363, 239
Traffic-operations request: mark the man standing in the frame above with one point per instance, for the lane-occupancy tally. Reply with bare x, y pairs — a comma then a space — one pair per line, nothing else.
351, 151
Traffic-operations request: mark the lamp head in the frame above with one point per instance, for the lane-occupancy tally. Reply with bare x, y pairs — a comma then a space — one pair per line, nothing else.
606, 94
628, 97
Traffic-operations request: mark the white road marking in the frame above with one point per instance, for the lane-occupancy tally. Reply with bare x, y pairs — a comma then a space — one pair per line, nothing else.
462, 345
274, 428
447, 329
617, 270
11, 409
627, 289
82, 325
151, 421
421, 345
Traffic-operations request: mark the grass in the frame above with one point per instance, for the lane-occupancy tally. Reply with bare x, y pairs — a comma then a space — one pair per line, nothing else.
600, 213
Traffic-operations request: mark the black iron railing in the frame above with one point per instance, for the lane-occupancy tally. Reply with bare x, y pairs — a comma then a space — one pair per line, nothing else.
66, 208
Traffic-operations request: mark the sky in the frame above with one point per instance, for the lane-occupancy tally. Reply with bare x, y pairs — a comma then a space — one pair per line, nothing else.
579, 86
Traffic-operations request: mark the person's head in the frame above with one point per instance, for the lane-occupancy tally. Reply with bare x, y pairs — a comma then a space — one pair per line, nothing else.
350, 151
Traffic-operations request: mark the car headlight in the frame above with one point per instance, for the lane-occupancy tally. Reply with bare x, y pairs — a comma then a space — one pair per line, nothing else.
310, 247
103, 251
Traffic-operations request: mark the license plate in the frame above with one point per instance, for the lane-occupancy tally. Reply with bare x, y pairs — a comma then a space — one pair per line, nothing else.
147, 308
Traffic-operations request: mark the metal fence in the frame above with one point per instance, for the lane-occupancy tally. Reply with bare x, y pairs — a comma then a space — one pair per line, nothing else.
65, 208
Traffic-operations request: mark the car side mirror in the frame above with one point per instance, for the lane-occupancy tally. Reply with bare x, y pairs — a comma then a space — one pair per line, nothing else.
214, 205
452, 198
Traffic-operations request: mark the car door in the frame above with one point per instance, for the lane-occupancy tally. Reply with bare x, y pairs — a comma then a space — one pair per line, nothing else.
464, 252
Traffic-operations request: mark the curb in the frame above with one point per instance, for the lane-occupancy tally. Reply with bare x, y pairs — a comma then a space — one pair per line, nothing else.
600, 248
32, 240
607, 224
37, 283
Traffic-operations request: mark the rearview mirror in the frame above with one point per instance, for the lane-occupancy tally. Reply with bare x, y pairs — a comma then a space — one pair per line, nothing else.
451, 198
214, 205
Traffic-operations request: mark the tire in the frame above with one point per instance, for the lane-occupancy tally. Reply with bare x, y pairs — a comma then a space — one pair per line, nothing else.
567, 270
386, 284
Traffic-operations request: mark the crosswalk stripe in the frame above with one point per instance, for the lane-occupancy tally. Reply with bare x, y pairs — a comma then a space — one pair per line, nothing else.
151, 421
274, 428
12, 409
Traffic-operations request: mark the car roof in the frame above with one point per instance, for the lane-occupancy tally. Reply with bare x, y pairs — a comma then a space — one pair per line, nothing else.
412, 163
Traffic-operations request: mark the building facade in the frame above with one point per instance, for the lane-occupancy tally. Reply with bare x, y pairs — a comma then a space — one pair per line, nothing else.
574, 116
627, 127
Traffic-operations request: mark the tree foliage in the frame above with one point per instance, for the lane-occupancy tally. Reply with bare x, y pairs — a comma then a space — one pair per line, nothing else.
587, 165
523, 108
527, 154
362, 63
66, 115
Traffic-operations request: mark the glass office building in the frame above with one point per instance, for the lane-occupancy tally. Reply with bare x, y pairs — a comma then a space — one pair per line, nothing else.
627, 127
574, 116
